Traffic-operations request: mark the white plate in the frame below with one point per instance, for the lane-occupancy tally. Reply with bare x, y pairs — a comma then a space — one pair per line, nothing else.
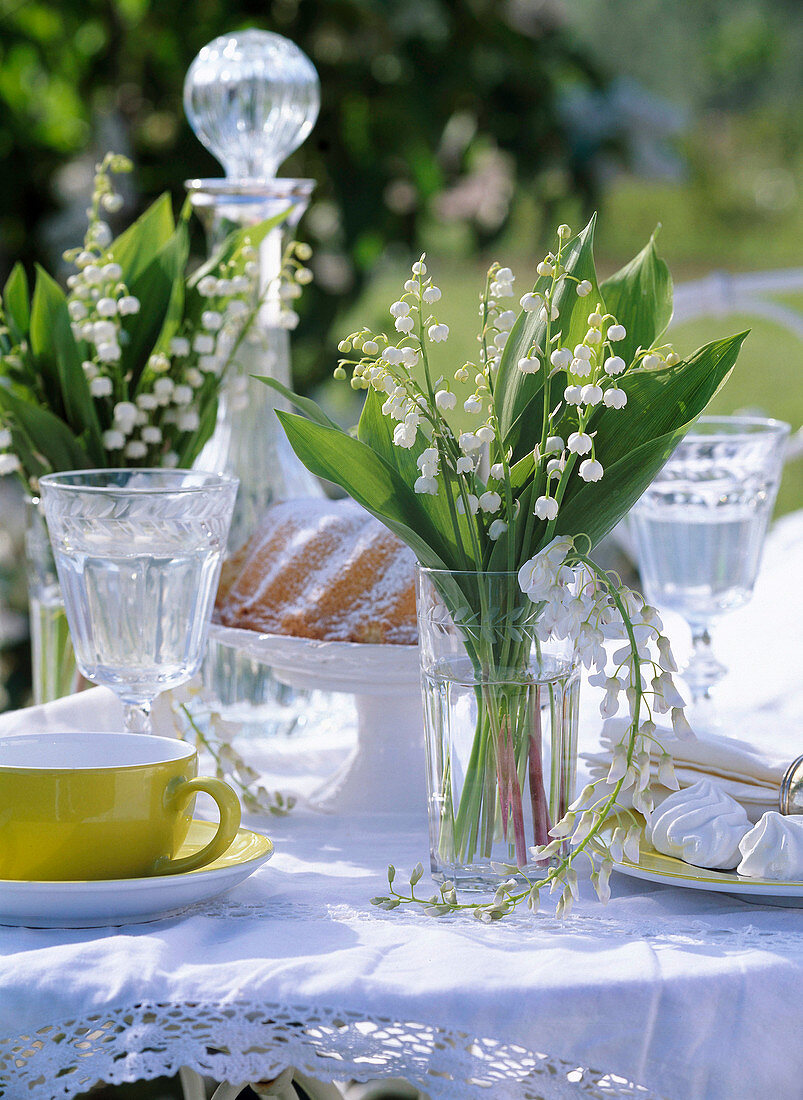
653, 866
134, 900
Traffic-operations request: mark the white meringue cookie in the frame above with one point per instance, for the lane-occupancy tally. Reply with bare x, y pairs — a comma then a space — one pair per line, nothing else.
773, 848
701, 825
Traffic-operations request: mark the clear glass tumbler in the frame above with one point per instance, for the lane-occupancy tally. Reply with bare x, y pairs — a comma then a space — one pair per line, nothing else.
138, 554
699, 531
500, 716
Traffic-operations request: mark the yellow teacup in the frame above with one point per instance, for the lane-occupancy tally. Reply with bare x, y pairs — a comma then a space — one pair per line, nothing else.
77, 806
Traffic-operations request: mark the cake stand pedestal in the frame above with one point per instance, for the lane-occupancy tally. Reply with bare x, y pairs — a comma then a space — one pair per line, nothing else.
385, 771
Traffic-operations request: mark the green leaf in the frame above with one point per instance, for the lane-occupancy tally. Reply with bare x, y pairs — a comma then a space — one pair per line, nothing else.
17, 304
520, 397
48, 435
335, 456
135, 248
633, 443
43, 308
56, 354
310, 408
160, 289
640, 297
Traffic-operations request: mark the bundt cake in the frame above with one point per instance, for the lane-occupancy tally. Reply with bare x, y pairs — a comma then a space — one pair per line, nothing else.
321, 569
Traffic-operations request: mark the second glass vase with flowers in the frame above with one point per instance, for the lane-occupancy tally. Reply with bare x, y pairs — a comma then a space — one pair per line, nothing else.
572, 406
125, 369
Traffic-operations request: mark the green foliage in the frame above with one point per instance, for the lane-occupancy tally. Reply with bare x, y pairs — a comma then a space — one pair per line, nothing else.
46, 401
631, 443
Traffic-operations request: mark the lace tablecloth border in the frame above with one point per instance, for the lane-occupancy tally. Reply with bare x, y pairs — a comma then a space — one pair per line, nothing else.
241, 1042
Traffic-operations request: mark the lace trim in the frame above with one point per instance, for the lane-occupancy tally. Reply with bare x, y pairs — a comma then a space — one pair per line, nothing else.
241, 1042
688, 931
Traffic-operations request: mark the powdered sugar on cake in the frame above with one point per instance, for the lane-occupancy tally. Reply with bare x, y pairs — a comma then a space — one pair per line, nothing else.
322, 569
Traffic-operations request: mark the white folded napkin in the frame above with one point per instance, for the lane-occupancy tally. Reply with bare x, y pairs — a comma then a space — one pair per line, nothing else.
749, 774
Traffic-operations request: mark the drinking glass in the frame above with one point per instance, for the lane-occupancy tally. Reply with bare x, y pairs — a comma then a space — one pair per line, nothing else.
138, 554
699, 530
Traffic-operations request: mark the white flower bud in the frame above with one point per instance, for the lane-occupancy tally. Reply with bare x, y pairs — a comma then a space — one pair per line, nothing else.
473, 504
113, 440
497, 529
211, 319
106, 307
617, 332
486, 434
573, 395
431, 295
77, 311
590, 470
428, 485
472, 404
208, 286
615, 398
104, 332
529, 365
438, 333
591, 394
203, 344
530, 302
108, 352
404, 324
125, 410
101, 387
182, 395
614, 364
560, 357
445, 400
584, 288
564, 231
579, 443
187, 420
490, 501
135, 449
546, 508
399, 309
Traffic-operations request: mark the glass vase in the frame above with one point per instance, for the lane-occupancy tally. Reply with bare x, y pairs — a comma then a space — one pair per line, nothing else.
52, 656
500, 715
249, 442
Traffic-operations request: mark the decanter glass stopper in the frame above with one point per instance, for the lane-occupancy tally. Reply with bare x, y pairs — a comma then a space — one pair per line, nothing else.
251, 97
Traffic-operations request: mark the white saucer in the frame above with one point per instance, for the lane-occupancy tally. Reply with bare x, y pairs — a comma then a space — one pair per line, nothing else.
134, 900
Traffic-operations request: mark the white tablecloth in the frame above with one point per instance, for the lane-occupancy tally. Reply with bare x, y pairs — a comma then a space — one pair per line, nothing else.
692, 996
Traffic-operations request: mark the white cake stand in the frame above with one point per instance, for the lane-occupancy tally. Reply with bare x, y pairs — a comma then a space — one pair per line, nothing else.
385, 771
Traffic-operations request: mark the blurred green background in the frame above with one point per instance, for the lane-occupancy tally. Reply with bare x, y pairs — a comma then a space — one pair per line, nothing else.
468, 128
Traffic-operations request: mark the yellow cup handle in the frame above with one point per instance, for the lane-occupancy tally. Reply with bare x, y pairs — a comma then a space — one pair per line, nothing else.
229, 806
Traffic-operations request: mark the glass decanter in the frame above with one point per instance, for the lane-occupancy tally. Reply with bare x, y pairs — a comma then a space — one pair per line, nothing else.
252, 98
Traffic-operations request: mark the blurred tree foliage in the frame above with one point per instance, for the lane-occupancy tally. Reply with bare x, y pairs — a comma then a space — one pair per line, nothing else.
434, 111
